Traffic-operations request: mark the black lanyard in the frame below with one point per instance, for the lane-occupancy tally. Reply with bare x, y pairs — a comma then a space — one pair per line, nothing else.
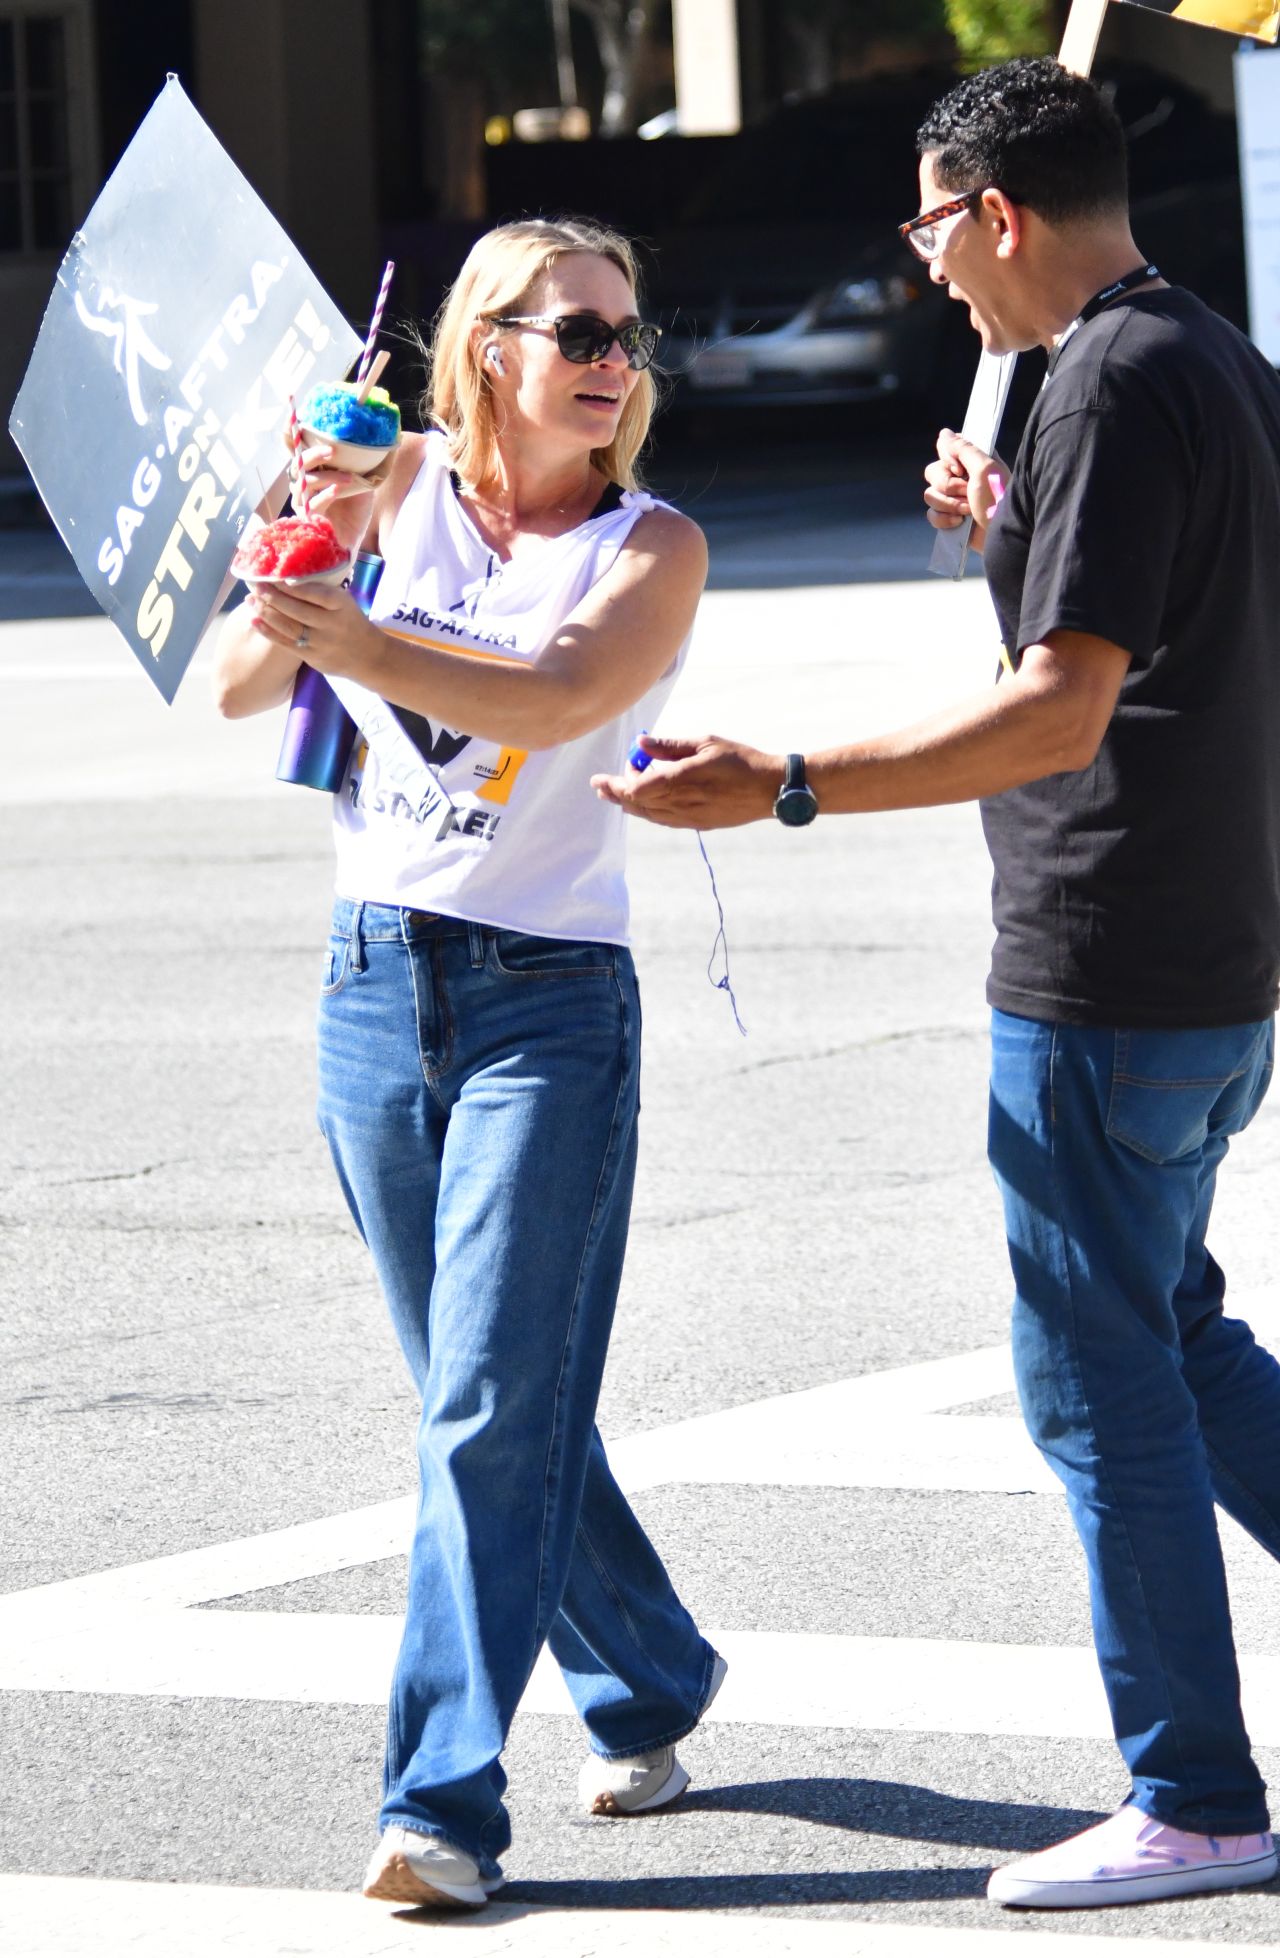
1130, 282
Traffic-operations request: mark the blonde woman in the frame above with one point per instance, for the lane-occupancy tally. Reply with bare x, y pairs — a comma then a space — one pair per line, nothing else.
480, 1025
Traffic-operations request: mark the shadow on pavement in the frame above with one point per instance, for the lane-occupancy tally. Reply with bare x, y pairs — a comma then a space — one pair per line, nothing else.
38, 577
869, 1808
808, 501
757, 1890
799, 502
895, 1808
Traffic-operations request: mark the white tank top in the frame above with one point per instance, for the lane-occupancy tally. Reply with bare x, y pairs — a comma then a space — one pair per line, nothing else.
527, 844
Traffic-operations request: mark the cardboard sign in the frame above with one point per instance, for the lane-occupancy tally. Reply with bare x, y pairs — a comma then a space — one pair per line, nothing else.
153, 413
1258, 120
1259, 18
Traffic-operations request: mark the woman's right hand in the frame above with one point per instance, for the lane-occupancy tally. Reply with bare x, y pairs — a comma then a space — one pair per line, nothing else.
346, 499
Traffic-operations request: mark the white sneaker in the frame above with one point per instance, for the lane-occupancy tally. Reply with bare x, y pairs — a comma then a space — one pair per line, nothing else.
409, 1868
1132, 1858
639, 1782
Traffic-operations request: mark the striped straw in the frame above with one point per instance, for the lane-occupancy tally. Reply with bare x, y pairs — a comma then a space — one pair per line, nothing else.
295, 437
367, 356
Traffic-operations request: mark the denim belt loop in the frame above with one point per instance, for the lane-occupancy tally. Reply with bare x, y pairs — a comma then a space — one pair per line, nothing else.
475, 944
357, 949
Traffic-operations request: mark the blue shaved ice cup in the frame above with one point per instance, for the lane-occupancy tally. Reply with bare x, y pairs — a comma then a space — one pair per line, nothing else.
362, 432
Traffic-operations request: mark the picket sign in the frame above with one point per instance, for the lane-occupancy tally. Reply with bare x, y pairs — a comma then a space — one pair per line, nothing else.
1080, 35
153, 412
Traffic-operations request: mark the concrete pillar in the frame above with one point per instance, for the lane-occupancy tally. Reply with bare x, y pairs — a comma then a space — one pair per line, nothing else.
708, 88
288, 87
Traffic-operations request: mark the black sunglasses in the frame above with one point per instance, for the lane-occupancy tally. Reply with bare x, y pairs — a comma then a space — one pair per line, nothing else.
584, 337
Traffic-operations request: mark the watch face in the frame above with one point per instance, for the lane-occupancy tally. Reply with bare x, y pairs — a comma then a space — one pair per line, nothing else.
796, 807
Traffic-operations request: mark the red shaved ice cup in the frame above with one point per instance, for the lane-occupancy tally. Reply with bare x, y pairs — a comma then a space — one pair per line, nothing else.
319, 732
293, 551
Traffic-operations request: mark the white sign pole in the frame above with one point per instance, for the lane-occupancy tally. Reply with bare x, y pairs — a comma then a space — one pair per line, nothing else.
1080, 36
995, 371
1258, 113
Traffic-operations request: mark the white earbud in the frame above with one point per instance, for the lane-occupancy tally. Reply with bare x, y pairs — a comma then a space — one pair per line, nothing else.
495, 360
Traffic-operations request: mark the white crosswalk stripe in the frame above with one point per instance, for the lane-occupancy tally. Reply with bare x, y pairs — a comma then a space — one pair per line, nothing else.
136, 1631
67, 1917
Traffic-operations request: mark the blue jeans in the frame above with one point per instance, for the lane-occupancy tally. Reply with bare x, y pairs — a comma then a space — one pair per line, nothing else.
1143, 1396
479, 1092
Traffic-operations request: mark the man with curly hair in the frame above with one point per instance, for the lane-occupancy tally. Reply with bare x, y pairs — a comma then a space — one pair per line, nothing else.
1128, 768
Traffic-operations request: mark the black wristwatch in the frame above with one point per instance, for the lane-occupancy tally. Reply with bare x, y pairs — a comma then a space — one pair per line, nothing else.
796, 804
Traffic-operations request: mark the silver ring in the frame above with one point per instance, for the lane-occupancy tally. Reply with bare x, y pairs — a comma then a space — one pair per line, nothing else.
304, 640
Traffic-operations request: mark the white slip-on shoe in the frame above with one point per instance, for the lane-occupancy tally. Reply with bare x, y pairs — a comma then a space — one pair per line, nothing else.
639, 1782
632, 1785
409, 1868
1131, 1858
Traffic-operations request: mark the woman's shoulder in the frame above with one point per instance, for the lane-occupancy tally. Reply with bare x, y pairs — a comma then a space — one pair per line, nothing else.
415, 449
666, 532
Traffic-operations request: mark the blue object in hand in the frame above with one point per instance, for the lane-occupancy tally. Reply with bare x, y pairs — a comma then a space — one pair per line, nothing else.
319, 734
637, 756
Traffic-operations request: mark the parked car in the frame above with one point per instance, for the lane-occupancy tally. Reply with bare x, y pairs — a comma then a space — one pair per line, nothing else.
782, 280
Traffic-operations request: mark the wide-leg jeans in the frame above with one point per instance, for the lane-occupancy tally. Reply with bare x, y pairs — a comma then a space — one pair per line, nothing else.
479, 1092
1147, 1400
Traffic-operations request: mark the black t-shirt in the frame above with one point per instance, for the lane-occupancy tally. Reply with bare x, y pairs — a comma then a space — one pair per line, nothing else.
1144, 508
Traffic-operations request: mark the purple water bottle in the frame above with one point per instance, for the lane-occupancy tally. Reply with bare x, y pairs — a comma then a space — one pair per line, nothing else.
318, 731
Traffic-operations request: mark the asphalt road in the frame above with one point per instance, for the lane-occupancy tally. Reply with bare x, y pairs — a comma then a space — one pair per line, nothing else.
202, 1400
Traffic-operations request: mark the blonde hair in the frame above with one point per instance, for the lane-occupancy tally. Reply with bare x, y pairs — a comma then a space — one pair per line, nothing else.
499, 271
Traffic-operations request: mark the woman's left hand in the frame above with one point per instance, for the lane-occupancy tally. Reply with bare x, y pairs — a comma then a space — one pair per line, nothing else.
321, 623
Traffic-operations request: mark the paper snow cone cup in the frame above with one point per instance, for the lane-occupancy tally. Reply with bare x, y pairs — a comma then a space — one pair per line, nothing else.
361, 433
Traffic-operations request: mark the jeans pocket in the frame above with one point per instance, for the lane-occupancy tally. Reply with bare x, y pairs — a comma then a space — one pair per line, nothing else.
1167, 1089
521, 955
337, 964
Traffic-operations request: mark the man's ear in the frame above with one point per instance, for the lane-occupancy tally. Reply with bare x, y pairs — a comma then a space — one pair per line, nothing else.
1007, 218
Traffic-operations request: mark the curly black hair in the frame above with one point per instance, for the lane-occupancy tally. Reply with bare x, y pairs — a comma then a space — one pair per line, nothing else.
1047, 138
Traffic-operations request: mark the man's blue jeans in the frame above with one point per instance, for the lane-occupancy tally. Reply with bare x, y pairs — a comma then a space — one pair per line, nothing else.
1143, 1396
479, 1092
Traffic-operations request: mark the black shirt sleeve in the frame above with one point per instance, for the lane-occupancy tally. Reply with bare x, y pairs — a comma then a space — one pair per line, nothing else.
1107, 495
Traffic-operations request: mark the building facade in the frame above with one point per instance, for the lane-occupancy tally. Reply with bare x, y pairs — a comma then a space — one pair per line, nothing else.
325, 106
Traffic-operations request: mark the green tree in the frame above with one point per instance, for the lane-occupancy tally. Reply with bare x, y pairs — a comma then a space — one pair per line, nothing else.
996, 30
